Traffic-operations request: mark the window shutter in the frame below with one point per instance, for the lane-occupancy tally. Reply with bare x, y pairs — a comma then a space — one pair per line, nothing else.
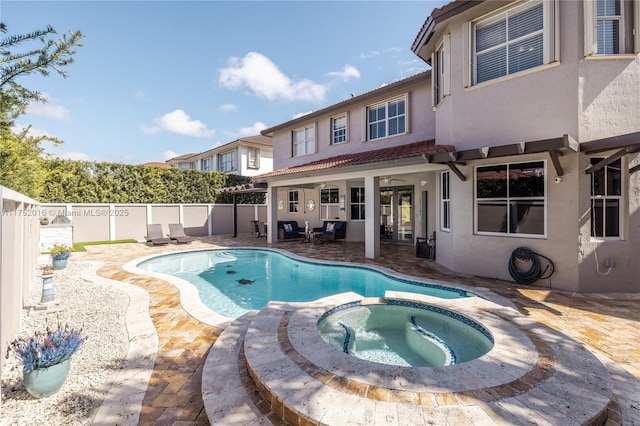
468, 55
446, 48
590, 28
434, 78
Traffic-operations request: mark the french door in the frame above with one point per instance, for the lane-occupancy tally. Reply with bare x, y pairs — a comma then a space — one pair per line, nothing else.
396, 214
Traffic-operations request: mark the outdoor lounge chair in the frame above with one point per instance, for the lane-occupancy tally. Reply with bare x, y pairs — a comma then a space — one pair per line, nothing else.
176, 233
155, 236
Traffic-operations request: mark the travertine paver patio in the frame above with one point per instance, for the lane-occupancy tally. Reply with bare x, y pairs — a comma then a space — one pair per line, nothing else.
606, 324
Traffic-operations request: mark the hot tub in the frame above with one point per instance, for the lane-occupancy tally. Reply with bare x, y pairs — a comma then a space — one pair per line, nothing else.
404, 333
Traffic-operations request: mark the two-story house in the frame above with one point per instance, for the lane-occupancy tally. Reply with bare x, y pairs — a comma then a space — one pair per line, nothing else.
525, 133
248, 156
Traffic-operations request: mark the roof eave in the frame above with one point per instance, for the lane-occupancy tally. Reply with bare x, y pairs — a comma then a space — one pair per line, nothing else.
344, 105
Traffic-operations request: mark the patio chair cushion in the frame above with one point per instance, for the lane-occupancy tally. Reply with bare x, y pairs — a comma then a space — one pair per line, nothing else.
288, 229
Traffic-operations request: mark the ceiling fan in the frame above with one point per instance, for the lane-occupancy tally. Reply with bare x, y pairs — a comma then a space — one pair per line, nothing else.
388, 180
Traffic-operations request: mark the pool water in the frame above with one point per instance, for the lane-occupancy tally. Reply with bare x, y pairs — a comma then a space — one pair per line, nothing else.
404, 333
232, 282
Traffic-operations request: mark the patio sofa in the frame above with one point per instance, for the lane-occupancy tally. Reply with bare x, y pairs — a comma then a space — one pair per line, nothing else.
332, 230
288, 230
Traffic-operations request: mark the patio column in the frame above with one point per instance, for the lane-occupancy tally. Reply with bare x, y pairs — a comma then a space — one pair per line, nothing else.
372, 217
272, 214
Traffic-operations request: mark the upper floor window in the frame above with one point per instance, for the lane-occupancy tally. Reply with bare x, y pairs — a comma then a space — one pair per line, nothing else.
514, 40
205, 164
304, 141
510, 199
293, 201
611, 27
357, 203
440, 76
227, 161
185, 166
387, 119
253, 158
445, 202
339, 129
329, 203
608, 24
606, 197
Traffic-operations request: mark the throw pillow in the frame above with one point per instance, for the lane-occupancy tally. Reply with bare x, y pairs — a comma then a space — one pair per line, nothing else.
330, 227
288, 227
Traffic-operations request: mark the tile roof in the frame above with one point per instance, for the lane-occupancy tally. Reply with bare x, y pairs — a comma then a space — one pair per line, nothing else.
257, 140
415, 149
183, 156
157, 164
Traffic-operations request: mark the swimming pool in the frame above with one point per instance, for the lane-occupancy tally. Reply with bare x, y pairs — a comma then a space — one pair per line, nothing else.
232, 282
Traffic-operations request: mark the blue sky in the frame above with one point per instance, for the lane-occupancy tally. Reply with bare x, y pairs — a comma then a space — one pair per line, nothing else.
156, 79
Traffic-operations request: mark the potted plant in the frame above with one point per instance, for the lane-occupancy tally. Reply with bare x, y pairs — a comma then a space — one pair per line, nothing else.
44, 220
46, 357
59, 255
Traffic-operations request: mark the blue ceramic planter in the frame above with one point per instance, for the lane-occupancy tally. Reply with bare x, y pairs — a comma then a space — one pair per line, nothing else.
59, 264
46, 381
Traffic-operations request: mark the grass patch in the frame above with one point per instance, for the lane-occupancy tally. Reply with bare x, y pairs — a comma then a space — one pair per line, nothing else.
81, 246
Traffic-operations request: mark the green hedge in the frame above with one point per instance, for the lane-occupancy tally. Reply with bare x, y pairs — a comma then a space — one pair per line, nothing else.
69, 181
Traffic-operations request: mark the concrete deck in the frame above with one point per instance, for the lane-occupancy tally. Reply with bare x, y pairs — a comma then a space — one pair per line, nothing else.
607, 325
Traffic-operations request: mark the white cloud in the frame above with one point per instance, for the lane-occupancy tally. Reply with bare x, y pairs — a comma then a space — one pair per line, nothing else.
76, 156
253, 130
375, 53
168, 155
180, 123
139, 95
229, 107
56, 112
256, 72
347, 73
300, 114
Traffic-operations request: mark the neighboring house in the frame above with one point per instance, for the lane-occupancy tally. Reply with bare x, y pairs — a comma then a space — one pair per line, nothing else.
157, 164
526, 133
248, 156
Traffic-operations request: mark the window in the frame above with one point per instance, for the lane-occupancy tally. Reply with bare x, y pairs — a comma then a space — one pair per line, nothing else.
386, 119
293, 201
205, 164
445, 202
357, 203
514, 40
606, 197
339, 129
184, 166
611, 27
510, 199
329, 203
227, 161
608, 26
253, 158
304, 141
440, 77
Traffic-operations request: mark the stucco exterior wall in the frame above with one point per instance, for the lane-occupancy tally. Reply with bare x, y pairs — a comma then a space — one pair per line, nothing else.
534, 105
463, 250
595, 276
609, 97
132, 223
421, 125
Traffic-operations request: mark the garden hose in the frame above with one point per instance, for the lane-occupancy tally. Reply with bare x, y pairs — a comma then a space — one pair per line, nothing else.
524, 254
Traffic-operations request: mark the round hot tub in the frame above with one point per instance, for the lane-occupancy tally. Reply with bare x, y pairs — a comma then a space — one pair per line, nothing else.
404, 333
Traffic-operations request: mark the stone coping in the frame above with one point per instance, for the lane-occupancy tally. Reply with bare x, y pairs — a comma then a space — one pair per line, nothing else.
308, 381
